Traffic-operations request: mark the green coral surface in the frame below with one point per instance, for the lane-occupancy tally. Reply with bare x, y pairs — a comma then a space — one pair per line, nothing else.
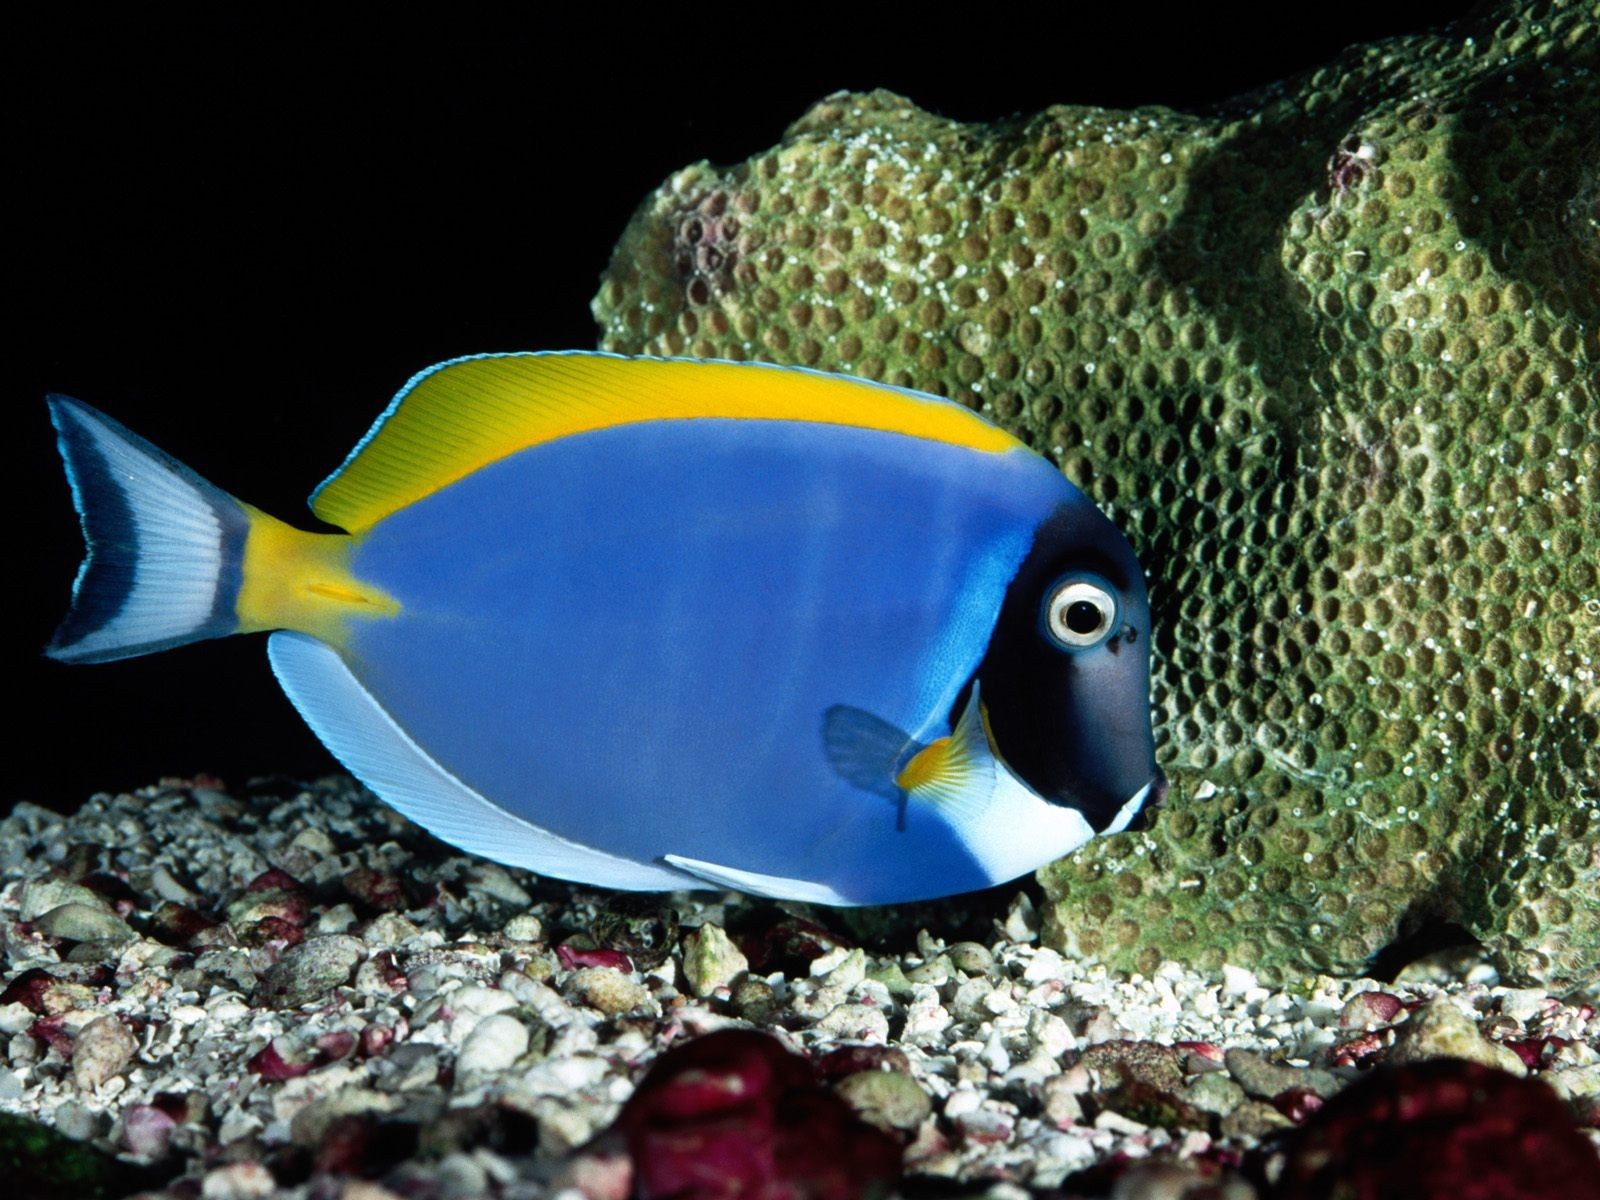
1328, 355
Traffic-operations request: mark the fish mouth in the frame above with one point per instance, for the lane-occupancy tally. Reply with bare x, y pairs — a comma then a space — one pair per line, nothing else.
1141, 806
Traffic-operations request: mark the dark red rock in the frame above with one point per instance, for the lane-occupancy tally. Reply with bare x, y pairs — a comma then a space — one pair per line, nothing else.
275, 932
273, 1065
380, 890
789, 945
735, 1116
1440, 1130
572, 956
28, 989
179, 925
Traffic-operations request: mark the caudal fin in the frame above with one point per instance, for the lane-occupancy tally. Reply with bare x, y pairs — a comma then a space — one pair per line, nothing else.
165, 548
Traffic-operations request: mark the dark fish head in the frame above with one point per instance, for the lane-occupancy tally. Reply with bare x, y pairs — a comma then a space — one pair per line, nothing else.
1066, 677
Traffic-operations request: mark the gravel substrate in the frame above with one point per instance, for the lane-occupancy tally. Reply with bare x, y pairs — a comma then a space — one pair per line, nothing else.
293, 992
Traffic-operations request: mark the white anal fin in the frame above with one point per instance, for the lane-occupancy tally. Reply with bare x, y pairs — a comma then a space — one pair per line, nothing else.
367, 740
773, 887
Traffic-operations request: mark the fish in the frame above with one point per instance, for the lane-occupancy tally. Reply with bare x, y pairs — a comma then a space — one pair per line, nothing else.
663, 624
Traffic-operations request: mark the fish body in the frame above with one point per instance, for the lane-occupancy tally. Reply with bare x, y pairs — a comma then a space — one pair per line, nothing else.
657, 624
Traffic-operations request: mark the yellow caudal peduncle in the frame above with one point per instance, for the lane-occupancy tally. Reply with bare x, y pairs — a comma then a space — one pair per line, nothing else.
302, 581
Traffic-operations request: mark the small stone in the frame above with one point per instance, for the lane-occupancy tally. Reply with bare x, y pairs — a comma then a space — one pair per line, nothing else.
887, 1099
643, 927
1253, 1119
1049, 1035
1264, 1079
1574, 1083
712, 961
147, 1131
754, 999
524, 927
1214, 1093
848, 968
971, 957
83, 923
101, 1051
39, 896
608, 990
238, 1181
495, 1043
1147, 1062
76, 1121
310, 971
844, 1061
1061, 1096
855, 1022
1439, 1029
893, 978
1022, 920
1370, 1010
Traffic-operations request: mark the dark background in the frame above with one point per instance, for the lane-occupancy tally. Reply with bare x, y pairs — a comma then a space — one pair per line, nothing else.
240, 239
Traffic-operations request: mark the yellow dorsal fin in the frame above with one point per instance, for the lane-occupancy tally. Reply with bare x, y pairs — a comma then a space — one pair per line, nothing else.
462, 415
955, 771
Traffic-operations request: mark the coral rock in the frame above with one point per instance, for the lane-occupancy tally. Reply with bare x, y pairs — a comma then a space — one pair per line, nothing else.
1443, 1128
1327, 354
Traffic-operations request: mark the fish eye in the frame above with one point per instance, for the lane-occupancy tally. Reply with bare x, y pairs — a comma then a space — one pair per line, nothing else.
1080, 612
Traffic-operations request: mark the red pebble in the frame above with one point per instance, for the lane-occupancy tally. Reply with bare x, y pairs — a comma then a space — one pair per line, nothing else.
1206, 1050
274, 932
147, 1130
333, 1046
571, 957
1440, 1130
274, 880
1371, 1008
53, 1032
1297, 1103
273, 1066
1536, 1052
735, 1116
28, 990
1356, 1051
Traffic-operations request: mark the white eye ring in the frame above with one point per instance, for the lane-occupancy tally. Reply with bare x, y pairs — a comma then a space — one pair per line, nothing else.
1080, 613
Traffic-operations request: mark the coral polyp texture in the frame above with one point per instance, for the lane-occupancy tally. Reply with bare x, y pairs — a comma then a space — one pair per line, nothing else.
1328, 355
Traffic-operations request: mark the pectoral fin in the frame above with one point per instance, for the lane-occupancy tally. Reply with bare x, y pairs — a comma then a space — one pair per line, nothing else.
954, 773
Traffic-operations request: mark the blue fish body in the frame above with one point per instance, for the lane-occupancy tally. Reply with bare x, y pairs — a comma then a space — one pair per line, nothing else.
698, 650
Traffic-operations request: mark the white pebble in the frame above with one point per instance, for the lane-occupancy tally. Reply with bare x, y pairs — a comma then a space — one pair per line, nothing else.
494, 1044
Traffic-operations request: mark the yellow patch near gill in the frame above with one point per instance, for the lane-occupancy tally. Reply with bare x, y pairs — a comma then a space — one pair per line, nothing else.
466, 414
930, 765
302, 581
942, 772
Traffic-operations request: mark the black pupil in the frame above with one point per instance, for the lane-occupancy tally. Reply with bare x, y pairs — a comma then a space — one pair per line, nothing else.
1083, 617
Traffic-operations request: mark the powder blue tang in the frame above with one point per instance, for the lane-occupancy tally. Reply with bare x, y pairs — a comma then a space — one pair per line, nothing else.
717, 638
